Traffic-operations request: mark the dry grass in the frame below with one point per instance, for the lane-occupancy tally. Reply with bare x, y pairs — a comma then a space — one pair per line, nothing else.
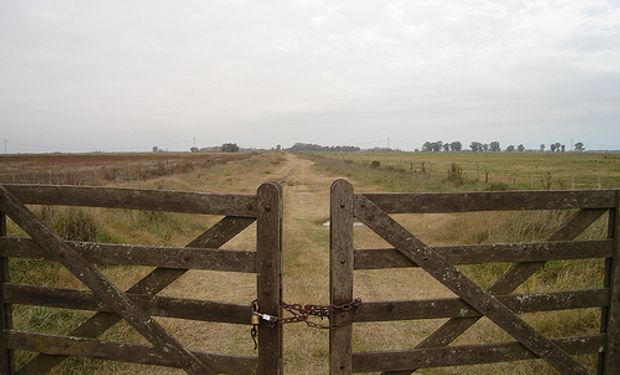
98, 168
306, 266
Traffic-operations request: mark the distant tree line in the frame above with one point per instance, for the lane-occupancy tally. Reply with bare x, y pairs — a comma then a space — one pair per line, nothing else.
311, 147
475, 146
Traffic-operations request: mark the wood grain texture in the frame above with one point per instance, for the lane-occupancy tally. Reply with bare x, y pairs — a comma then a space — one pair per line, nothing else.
466, 355
491, 201
138, 199
134, 255
7, 365
131, 353
612, 352
457, 308
482, 301
454, 327
507, 283
341, 275
101, 286
269, 280
477, 254
214, 237
169, 307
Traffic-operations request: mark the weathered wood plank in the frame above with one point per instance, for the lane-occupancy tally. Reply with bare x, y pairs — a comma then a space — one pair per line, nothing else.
456, 308
476, 254
135, 255
101, 287
170, 307
7, 365
269, 280
484, 302
491, 201
506, 284
214, 237
341, 275
138, 199
130, 353
466, 354
607, 283
612, 356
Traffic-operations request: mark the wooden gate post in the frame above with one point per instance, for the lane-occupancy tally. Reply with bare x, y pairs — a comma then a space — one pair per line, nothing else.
6, 319
269, 270
341, 275
612, 355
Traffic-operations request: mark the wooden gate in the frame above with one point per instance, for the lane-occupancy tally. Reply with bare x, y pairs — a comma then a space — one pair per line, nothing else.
137, 304
497, 303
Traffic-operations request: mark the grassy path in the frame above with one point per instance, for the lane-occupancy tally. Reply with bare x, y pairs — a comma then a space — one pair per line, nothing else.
305, 264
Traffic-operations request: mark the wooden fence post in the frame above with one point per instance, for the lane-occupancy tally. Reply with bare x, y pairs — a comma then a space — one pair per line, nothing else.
341, 275
612, 356
269, 269
6, 319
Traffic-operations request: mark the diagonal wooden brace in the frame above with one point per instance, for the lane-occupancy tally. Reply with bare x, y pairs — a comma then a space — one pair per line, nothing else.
214, 237
510, 281
447, 274
101, 287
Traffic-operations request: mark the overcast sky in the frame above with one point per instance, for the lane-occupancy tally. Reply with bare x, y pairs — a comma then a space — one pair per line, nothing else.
114, 75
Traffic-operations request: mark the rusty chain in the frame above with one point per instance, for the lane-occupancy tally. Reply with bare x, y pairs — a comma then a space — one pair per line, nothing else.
302, 313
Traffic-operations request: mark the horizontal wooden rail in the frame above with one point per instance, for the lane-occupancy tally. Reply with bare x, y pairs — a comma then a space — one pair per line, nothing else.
169, 307
122, 352
169, 257
457, 308
138, 199
466, 354
476, 254
491, 201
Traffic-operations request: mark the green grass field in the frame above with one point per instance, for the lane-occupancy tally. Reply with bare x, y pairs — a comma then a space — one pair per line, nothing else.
504, 170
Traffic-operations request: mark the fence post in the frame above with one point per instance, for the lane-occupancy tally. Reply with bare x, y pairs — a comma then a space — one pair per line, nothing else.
341, 275
269, 278
611, 361
6, 318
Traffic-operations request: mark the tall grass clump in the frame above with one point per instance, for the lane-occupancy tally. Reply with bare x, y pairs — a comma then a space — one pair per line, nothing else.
562, 275
71, 223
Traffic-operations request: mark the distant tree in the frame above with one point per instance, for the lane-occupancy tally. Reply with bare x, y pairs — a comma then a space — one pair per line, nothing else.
427, 146
563, 148
311, 147
485, 147
552, 147
194, 149
278, 148
230, 147
446, 147
558, 145
542, 147
510, 148
521, 148
579, 147
155, 148
437, 146
456, 146
494, 146
476, 146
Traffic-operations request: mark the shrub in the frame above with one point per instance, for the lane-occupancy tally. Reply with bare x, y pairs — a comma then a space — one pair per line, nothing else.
375, 164
70, 223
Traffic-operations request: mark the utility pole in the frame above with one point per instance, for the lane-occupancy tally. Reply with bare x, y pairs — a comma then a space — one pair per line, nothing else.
572, 144
194, 142
5, 149
388, 143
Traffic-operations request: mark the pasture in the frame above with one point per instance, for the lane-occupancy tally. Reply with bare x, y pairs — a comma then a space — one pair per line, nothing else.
515, 170
306, 180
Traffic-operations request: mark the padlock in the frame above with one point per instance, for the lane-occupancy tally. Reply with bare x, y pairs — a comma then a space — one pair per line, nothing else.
255, 320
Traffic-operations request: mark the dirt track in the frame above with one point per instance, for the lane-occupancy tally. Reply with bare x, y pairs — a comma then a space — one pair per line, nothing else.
305, 264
